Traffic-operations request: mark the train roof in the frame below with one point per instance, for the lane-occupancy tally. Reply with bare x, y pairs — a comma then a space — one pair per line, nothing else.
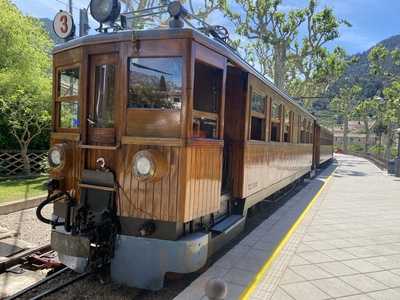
171, 33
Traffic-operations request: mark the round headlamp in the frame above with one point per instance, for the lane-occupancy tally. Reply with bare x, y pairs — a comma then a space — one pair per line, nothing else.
56, 156
105, 11
148, 164
143, 165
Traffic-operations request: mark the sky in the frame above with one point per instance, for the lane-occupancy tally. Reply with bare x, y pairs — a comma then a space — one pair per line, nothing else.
372, 20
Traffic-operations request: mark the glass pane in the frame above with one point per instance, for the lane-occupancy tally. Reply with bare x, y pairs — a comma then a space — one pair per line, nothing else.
205, 128
103, 105
207, 88
257, 129
287, 116
258, 103
275, 111
155, 83
68, 82
69, 114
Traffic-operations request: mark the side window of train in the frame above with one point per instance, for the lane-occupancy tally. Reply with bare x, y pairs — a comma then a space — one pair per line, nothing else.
257, 117
155, 83
67, 98
287, 133
206, 100
303, 131
276, 116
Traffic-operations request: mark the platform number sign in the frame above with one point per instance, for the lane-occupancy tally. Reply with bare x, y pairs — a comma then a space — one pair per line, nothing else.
63, 24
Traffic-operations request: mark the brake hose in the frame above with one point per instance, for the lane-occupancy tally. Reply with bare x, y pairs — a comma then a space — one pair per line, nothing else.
47, 201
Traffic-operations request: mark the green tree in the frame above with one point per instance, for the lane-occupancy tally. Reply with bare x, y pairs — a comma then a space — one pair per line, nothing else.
343, 104
25, 76
274, 34
364, 111
381, 60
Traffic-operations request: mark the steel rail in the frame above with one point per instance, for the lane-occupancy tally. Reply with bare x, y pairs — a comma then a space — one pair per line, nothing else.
60, 286
37, 284
17, 258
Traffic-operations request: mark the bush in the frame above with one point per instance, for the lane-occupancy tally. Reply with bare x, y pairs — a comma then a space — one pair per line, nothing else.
376, 149
355, 148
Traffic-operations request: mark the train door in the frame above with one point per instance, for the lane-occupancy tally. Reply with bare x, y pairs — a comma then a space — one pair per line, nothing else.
102, 109
234, 130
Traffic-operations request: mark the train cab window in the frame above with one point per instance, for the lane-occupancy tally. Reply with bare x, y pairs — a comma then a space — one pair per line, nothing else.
69, 114
155, 83
103, 104
206, 100
276, 122
67, 98
257, 122
68, 82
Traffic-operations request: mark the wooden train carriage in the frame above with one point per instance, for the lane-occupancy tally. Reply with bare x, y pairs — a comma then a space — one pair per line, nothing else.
213, 136
249, 130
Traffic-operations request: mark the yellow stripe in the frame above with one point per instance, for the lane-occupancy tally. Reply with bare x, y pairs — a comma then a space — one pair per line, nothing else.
261, 273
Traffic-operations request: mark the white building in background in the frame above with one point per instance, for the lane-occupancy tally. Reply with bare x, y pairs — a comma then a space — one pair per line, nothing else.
356, 135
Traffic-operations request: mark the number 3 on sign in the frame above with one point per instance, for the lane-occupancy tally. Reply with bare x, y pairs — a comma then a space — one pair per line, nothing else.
63, 24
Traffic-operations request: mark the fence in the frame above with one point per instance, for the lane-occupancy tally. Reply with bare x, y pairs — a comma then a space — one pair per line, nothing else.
11, 163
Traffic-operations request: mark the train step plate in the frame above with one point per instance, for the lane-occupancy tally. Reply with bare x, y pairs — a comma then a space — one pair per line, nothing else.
227, 224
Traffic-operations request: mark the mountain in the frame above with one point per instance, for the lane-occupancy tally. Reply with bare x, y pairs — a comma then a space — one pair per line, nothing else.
358, 73
48, 26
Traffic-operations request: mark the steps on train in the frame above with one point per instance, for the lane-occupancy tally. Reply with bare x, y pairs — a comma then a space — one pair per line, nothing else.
227, 224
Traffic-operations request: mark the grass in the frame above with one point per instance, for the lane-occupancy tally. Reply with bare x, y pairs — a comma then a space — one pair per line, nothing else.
21, 189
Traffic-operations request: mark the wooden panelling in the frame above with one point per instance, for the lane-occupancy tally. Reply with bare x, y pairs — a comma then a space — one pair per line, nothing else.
153, 123
147, 199
203, 180
190, 189
71, 170
325, 153
267, 164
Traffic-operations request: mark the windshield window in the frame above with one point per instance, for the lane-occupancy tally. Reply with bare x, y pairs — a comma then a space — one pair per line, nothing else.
155, 83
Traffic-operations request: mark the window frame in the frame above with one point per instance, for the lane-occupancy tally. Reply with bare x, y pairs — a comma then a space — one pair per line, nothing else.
258, 115
276, 121
181, 89
59, 99
214, 116
289, 124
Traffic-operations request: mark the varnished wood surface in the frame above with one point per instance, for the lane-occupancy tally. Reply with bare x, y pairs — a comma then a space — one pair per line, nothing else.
134, 140
203, 180
68, 136
150, 200
153, 123
71, 170
190, 188
266, 164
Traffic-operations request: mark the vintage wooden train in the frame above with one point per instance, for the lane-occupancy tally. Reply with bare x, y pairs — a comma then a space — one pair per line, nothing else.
162, 140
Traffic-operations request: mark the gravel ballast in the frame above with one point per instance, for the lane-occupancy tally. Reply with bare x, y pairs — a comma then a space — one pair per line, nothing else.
27, 226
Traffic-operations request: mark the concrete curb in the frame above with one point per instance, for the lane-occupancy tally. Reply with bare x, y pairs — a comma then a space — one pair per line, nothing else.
10, 207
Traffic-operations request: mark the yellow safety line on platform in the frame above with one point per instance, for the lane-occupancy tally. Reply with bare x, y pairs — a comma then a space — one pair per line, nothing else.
260, 274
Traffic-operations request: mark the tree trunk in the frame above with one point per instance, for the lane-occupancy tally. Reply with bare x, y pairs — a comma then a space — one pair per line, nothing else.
345, 133
25, 159
366, 127
389, 141
280, 64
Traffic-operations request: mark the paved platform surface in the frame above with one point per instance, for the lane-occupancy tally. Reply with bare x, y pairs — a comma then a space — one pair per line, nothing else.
346, 247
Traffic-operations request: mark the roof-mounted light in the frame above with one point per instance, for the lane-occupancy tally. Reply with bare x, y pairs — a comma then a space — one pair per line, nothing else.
105, 11
176, 10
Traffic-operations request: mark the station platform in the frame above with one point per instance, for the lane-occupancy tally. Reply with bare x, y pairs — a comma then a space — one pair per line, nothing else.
338, 238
